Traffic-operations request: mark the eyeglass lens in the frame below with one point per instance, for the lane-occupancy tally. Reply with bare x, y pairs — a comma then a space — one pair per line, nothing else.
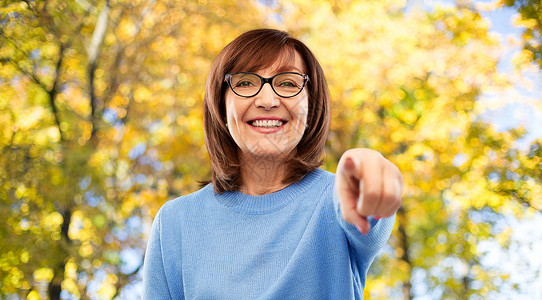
285, 85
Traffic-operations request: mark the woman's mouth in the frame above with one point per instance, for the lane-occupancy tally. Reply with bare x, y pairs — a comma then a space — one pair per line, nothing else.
266, 123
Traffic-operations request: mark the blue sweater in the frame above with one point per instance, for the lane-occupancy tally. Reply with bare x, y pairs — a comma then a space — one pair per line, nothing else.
291, 244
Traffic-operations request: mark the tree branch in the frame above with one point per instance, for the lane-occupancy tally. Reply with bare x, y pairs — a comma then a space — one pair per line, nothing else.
66, 220
53, 92
99, 33
55, 285
16, 65
98, 37
30, 74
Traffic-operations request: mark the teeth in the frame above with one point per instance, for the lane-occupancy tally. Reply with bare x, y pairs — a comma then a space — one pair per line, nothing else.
267, 123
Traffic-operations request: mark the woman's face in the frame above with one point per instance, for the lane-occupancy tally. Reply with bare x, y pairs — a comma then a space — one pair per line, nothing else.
267, 125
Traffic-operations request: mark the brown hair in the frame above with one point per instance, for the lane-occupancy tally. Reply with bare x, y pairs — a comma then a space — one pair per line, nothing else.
252, 51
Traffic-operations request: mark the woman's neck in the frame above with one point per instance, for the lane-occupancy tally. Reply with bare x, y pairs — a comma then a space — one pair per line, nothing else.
262, 175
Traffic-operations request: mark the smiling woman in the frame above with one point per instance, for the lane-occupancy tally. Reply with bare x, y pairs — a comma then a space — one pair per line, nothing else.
272, 225
265, 53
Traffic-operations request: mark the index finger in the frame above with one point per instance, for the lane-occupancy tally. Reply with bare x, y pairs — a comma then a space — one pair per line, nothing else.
370, 194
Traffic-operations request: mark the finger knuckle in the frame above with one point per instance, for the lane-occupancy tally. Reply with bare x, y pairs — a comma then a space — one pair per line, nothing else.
371, 194
389, 196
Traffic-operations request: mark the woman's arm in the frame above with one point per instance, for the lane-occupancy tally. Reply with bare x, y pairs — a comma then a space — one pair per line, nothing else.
155, 285
367, 194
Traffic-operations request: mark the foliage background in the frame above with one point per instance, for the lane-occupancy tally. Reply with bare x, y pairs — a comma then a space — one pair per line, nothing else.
101, 123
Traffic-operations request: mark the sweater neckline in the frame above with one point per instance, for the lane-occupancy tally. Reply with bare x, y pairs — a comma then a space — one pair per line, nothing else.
262, 204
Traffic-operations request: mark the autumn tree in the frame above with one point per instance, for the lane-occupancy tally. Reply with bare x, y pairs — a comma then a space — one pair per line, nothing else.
100, 124
530, 19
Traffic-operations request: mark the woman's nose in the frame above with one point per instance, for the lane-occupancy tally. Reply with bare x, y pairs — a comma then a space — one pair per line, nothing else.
266, 98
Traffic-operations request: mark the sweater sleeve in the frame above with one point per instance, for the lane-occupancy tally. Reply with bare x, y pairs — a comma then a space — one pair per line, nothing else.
364, 247
155, 284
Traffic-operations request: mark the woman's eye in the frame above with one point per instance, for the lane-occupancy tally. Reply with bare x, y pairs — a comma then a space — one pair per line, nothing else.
244, 84
287, 84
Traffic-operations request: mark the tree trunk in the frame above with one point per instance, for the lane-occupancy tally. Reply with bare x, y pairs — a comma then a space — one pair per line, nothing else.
55, 285
404, 244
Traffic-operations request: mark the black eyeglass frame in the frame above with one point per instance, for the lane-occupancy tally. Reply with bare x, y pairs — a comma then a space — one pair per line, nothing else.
264, 80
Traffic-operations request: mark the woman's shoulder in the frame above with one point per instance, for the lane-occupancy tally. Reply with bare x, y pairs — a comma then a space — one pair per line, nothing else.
316, 181
324, 174
320, 175
192, 200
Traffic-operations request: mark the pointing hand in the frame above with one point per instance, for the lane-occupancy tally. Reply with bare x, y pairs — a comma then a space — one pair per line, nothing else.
367, 185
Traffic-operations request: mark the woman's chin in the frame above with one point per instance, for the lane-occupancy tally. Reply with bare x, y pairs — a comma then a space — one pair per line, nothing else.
266, 154
270, 151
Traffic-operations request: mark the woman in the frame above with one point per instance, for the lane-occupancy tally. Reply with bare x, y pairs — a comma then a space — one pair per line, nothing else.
272, 225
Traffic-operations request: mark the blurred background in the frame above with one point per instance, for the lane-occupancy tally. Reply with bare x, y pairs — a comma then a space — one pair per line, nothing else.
101, 123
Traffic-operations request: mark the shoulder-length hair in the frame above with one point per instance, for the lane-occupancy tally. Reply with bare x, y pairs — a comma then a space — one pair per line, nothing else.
252, 51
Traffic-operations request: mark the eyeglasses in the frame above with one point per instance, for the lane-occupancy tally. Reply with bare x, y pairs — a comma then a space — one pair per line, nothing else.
286, 85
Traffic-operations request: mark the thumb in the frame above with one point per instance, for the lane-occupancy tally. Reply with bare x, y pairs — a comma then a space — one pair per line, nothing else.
363, 225
350, 166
